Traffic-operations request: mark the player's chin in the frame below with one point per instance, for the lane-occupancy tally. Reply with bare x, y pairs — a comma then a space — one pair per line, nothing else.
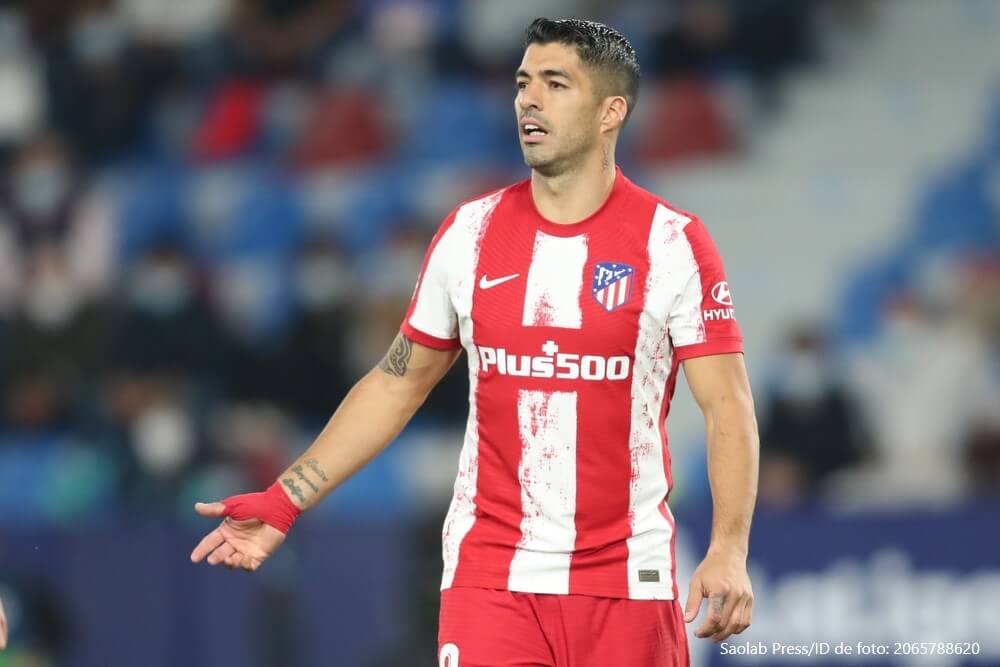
535, 158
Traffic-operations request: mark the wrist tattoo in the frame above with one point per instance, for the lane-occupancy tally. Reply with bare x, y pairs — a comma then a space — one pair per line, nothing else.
294, 489
316, 469
397, 359
298, 471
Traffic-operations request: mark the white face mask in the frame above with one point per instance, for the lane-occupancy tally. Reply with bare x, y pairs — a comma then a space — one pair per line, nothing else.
97, 38
40, 188
12, 34
805, 377
322, 282
160, 289
50, 300
163, 438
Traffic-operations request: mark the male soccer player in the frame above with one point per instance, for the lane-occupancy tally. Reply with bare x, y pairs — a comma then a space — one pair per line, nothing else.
577, 296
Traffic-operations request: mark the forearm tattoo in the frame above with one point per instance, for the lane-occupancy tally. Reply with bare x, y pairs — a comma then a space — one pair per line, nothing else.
397, 359
298, 471
316, 469
294, 489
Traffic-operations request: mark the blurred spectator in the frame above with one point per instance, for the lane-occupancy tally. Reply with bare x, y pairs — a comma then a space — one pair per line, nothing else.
389, 275
57, 337
257, 436
164, 439
719, 37
928, 380
982, 457
100, 88
316, 367
811, 428
22, 91
164, 325
278, 36
179, 22
46, 204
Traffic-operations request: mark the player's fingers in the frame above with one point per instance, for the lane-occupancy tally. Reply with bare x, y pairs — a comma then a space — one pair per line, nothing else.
714, 619
210, 509
3, 628
208, 544
731, 610
693, 604
733, 620
235, 562
247, 563
746, 618
221, 554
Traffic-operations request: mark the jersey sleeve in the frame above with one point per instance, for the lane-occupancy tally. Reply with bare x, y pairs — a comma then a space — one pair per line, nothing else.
431, 319
703, 319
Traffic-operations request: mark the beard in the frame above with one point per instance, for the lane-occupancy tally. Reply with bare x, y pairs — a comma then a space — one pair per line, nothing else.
556, 156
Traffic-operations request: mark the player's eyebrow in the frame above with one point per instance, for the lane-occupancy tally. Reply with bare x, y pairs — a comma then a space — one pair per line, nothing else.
545, 73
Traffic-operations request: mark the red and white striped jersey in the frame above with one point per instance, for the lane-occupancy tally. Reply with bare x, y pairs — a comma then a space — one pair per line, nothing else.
573, 335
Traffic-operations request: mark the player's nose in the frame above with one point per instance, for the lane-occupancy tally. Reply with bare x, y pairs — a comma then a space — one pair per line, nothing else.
528, 99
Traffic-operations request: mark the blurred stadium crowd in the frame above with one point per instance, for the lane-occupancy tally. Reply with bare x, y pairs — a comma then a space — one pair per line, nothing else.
212, 215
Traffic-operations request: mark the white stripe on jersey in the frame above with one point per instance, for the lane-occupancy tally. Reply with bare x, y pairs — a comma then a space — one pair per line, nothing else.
547, 472
649, 546
555, 278
467, 231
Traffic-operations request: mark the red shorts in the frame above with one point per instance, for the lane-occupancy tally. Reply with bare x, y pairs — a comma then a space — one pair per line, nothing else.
493, 628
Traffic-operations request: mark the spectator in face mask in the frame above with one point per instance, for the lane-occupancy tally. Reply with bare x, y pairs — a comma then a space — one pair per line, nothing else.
811, 428
56, 336
43, 203
164, 325
41, 190
318, 377
22, 95
101, 86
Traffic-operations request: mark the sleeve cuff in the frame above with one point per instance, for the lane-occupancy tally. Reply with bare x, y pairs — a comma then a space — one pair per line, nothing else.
708, 348
428, 340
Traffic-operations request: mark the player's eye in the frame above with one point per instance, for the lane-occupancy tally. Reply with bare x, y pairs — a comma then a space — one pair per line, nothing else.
555, 85
521, 85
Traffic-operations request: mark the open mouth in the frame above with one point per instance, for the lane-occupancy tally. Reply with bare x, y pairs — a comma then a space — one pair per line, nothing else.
532, 130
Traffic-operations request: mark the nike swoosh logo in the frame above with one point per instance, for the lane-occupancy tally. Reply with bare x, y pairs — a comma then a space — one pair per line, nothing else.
486, 283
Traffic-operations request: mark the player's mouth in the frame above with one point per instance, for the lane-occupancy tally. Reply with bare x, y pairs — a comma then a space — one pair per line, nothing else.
532, 131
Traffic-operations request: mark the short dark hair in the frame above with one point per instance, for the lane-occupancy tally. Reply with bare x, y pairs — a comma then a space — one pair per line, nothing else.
599, 46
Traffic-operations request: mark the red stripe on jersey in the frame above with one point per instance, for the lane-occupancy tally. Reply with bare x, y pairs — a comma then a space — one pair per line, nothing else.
488, 548
604, 467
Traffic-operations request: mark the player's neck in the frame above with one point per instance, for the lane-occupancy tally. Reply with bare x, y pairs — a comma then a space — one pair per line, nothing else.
575, 194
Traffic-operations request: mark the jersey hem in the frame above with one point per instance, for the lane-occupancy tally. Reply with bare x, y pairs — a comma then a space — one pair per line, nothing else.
587, 591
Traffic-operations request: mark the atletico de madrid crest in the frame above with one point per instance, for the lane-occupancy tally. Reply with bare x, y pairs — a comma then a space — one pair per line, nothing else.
613, 283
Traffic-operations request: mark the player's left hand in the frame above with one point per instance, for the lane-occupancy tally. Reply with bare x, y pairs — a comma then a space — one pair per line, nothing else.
722, 578
3, 627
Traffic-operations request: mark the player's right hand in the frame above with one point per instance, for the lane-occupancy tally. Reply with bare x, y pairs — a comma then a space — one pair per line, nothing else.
243, 542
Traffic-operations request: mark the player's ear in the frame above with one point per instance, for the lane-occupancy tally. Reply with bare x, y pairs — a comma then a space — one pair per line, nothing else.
615, 109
